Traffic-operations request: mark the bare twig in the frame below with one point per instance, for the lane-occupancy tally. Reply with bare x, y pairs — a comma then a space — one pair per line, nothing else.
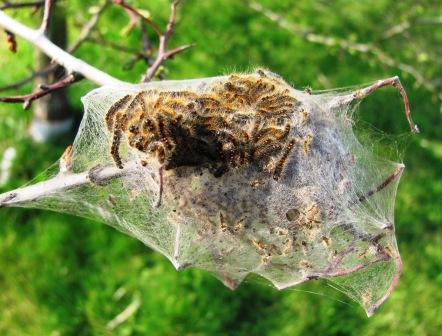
130, 310
160, 193
163, 54
84, 35
364, 92
383, 185
64, 181
345, 271
136, 13
43, 91
112, 45
75, 65
396, 83
403, 26
88, 28
71, 63
171, 53
398, 263
46, 16
21, 82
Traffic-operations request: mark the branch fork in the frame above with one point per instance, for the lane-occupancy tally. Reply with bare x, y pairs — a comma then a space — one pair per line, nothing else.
163, 53
43, 90
76, 68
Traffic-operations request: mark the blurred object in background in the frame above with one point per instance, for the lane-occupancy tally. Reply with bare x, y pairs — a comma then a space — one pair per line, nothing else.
52, 113
6, 161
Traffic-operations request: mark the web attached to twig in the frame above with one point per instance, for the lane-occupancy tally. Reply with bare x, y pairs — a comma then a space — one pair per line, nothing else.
329, 215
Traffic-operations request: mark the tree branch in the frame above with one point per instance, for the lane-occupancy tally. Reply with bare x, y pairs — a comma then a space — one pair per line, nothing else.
398, 263
43, 91
84, 35
71, 63
163, 54
383, 185
171, 53
46, 16
136, 13
383, 254
364, 92
65, 180
348, 45
22, 82
88, 28
403, 26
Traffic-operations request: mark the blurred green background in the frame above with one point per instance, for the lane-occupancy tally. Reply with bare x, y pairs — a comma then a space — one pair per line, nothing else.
61, 275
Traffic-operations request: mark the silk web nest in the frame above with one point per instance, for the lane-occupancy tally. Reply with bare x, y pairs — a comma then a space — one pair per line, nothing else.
237, 174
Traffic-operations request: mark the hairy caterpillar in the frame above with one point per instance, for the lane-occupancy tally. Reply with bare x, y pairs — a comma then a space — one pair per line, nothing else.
244, 119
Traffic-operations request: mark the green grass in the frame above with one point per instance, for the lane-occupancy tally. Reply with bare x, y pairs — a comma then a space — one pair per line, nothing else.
62, 275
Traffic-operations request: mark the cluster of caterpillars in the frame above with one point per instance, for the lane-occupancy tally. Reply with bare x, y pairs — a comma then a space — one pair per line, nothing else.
242, 120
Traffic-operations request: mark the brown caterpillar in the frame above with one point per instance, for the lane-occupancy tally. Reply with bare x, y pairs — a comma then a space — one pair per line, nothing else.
242, 120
